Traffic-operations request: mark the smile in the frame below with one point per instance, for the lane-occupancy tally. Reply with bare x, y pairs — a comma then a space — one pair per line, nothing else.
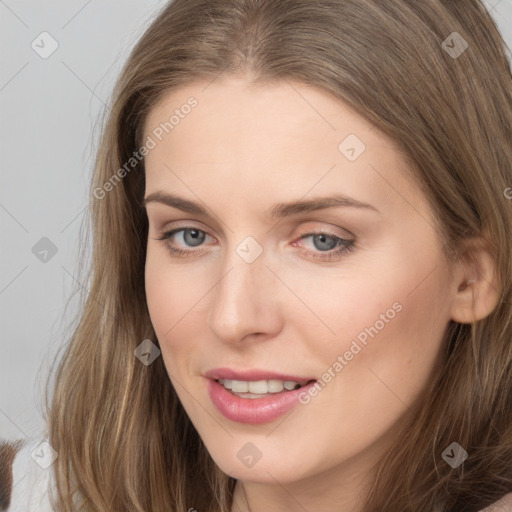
256, 401
259, 388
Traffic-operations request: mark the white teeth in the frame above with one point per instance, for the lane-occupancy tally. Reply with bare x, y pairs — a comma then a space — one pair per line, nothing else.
239, 386
289, 384
275, 386
260, 387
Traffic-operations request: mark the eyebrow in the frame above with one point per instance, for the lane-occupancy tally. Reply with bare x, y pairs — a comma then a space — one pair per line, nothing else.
277, 211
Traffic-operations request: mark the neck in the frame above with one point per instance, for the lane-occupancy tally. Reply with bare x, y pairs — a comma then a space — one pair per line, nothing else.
343, 488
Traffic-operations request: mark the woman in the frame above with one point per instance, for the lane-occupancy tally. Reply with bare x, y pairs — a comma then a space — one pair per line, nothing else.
301, 283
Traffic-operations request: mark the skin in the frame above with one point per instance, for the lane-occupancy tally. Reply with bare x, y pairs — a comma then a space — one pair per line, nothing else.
242, 150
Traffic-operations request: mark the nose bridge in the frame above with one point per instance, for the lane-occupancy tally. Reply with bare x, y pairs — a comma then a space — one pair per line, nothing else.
243, 301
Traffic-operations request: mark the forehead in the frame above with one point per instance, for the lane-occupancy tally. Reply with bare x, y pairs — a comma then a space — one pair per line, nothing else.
234, 104
228, 135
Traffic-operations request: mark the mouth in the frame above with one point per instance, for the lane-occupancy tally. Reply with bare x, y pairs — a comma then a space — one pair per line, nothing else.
255, 397
255, 389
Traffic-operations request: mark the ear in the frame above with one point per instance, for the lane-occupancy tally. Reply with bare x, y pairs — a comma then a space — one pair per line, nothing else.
477, 284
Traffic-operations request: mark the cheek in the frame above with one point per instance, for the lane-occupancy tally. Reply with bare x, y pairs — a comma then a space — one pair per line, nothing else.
159, 299
170, 290
388, 336
386, 311
386, 345
176, 296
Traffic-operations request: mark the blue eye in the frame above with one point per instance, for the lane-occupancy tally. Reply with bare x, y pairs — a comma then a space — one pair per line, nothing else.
191, 237
325, 247
328, 246
324, 242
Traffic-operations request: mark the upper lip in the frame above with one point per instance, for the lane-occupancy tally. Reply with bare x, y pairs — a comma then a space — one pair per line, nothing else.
252, 375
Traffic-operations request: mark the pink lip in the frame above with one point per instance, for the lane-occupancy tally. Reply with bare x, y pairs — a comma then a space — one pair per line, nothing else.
258, 410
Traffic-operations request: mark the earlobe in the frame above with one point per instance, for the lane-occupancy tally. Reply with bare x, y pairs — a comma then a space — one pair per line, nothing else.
478, 286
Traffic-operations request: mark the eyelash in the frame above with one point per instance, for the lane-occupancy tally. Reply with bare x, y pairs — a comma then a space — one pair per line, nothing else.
344, 246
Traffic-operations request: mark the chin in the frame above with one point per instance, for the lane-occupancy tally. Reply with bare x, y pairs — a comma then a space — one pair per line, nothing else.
238, 464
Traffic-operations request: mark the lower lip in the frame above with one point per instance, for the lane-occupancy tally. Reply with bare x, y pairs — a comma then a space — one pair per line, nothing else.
254, 410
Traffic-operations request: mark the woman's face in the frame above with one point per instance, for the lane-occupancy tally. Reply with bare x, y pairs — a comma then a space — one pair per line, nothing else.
298, 249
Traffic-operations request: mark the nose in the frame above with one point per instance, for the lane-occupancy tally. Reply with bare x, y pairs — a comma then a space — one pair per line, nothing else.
245, 302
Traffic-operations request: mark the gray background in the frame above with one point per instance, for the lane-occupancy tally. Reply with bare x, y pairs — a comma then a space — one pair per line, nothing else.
50, 111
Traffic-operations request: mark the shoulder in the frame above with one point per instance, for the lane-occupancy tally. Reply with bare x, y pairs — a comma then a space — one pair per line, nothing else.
7, 454
503, 505
26, 476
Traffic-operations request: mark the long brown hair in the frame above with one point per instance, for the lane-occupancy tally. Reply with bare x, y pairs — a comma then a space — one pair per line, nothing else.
124, 441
